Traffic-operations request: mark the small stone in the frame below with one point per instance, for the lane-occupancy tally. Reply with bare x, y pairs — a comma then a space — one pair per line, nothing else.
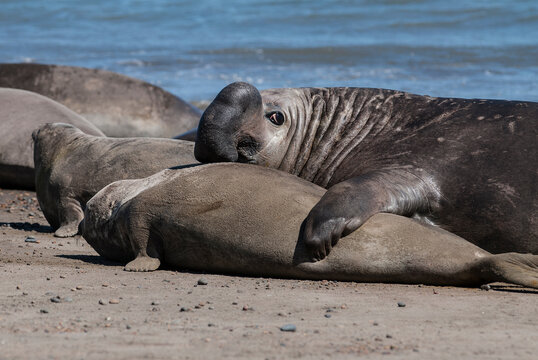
155, 309
78, 287
44, 311
401, 304
210, 325
328, 316
288, 328
183, 309
30, 239
25, 293
128, 327
114, 301
104, 285
56, 299
154, 303
388, 336
202, 281
485, 287
102, 302
245, 308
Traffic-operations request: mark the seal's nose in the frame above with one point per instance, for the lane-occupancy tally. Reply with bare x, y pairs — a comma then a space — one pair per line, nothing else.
216, 139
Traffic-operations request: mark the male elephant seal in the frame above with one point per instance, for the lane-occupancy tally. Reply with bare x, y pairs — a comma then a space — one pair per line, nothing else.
235, 218
20, 113
468, 166
71, 167
118, 105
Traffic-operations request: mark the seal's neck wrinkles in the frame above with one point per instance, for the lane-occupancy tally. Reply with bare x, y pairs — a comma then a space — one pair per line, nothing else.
335, 121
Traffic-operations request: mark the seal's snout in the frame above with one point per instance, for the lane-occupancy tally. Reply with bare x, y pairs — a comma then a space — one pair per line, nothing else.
219, 129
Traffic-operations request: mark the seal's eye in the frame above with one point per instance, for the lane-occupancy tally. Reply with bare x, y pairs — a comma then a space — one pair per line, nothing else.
276, 117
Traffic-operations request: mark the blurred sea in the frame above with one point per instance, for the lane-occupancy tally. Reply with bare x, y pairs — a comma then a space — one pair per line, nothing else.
485, 49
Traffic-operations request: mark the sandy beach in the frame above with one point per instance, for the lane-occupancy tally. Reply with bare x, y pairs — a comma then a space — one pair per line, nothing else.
60, 300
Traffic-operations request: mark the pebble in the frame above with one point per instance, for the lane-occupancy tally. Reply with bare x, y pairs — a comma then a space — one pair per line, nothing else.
31, 239
154, 303
102, 302
485, 287
44, 311
114, 301
128, 327
401, 304
56, 299
328, 316
288, 328
183, 309
202, 281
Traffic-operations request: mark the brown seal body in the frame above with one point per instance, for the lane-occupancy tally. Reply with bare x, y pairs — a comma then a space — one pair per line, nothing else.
118, 105
71, 167
468, 166
21, 112
241, 219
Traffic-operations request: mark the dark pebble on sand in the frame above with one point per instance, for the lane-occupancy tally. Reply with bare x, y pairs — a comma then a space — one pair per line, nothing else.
202, 281
56, 299
183, 309
154, 303
288, 328
328, 316
485, 287
44, 311
30, 239
401, 304
102, 302
128, 327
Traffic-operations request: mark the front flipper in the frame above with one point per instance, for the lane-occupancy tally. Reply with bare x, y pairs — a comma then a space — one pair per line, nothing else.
347, 205
70, 215
143, 263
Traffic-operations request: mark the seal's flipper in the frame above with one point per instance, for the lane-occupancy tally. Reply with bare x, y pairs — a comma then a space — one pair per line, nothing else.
67, 230
143, 263
520, 269
70, 214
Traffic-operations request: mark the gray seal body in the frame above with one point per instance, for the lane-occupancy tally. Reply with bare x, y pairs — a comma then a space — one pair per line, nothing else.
241, 219
117, 104
71, 167
21, 112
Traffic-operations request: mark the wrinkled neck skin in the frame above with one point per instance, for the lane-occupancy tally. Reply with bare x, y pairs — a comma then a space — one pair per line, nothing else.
327, 124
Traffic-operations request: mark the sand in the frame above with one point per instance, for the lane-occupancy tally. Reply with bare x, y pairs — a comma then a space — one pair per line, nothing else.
60, 300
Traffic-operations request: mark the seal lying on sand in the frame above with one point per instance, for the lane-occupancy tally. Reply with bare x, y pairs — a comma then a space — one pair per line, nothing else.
71, 167
236, 218
468, 166
118, 105
21, 112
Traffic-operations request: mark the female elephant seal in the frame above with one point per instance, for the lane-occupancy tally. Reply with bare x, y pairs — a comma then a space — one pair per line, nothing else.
242, 219
71, 167
118, 105
21, 112
468, 166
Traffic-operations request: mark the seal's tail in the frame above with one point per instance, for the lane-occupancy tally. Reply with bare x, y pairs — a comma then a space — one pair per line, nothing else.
521, 269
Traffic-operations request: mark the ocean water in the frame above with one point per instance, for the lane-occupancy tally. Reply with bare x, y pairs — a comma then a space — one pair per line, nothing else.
471, 49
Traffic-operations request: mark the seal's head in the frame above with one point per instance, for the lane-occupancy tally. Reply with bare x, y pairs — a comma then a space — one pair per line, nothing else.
241, 126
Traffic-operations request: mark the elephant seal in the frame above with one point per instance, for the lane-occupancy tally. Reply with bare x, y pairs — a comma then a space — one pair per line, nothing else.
468, 166
20, 113
118, 105
235, 218
71, 167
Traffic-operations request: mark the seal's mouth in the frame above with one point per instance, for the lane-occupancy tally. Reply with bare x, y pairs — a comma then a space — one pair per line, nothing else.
247, 148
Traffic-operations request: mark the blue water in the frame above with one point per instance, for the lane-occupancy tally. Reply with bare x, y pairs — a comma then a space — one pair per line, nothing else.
485, 49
